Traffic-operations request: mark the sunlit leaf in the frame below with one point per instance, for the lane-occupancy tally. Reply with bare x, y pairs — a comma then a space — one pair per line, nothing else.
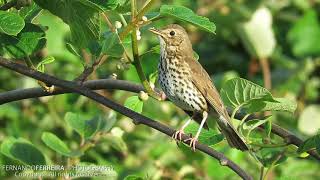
281, 104
56, 144
10, 23
187, 15
47, 60
30, 40
240, 92
134, 103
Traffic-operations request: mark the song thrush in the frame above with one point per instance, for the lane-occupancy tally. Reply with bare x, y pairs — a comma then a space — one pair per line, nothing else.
187, 85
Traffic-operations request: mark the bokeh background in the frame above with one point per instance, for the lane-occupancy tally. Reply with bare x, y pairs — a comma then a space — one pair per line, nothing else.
286, 33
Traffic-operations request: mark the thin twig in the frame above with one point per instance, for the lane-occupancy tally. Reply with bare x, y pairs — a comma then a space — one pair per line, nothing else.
266, 72
89, 69
136, 117
136, 57
109, 23
137, 18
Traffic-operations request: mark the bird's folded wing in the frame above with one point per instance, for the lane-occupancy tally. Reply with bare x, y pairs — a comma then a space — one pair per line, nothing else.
204, 84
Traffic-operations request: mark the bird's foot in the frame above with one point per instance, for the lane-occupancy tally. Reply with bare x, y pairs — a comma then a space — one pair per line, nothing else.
177, 136
193, 142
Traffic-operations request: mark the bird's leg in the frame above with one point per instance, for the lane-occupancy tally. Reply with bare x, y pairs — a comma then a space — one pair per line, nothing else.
195, 138
177, 135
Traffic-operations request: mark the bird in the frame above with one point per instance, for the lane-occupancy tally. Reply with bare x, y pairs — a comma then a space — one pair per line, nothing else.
186, 83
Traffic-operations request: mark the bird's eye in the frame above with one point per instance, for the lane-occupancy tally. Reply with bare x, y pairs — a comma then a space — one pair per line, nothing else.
172, 33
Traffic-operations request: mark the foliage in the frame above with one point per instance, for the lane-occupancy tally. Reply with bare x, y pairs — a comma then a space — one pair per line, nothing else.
63, 37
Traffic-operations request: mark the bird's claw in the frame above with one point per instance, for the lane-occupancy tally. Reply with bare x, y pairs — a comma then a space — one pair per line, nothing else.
193, 142
177, 136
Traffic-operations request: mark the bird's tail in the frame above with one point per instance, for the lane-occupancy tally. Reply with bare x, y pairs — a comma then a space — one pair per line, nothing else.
231, 134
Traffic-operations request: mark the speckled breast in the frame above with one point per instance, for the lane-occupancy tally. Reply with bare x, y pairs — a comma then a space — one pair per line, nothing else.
175, 81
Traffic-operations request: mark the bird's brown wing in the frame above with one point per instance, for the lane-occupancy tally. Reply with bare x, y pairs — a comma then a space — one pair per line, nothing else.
202, 81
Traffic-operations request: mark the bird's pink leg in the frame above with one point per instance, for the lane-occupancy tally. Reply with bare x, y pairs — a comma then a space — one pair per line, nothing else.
177, 135
194, 140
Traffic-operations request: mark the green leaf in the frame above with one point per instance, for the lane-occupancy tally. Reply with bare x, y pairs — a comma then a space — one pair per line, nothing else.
73, 50
253, 124
22, 151
29, 12
240, 92
56, 144
47, 60
209, 137
153, 77
117, 143
86, 128
187, 15
195, 55
310, 143
81, 15
304, 36
133, 177
282, 104
107, 124
134, 103
270, 156
268, 128
30, 40
111, 45
10, 23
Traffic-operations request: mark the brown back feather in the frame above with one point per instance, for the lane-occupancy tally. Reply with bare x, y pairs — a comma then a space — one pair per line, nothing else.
203, 82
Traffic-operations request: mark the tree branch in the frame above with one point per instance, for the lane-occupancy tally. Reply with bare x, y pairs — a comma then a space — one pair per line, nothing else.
136, 117
111, 84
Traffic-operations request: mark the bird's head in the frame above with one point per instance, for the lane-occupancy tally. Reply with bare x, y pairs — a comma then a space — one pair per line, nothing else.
172, 35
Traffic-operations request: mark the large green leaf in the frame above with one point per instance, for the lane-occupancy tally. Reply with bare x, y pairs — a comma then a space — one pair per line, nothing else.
282, 104
22, 151
57, 144
240, 92
81, 15
86, 128
134, 103
304, 36
187, 15
10, 23
30, 40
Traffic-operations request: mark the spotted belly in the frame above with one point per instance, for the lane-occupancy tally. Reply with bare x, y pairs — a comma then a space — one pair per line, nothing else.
182, 92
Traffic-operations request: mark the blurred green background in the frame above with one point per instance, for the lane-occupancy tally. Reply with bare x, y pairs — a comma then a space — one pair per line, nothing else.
286, 33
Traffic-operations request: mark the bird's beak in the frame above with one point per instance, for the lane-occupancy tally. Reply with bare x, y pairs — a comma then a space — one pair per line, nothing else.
156, 31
